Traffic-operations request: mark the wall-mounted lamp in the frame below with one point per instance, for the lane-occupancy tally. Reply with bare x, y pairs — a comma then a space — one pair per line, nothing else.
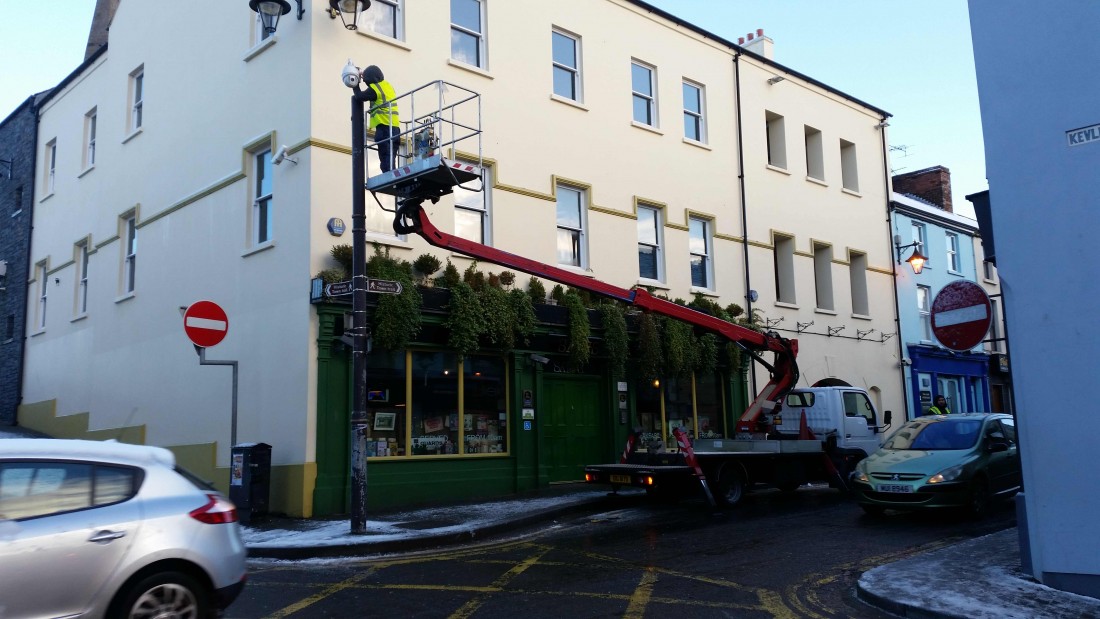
271, 10
882, 125
348, 10
775, 80
916, 260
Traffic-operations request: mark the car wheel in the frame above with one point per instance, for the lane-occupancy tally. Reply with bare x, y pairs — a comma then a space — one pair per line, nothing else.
731, 486
164, 594
873, 510
978, 504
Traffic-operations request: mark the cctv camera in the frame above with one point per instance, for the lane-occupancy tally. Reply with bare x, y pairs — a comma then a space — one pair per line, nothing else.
279, 156
350, 74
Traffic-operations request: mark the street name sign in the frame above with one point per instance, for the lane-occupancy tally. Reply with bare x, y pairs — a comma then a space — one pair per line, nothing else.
338, 288
961, 315
384, 286
205, 323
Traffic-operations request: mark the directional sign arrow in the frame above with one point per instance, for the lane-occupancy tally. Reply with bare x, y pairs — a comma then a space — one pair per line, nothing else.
384, 286
338, 288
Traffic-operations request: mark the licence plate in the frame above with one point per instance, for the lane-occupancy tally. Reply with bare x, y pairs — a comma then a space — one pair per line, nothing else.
894, 488
620, 479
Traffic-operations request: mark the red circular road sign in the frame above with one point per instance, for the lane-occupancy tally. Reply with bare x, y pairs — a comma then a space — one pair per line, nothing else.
205, 323
960, 315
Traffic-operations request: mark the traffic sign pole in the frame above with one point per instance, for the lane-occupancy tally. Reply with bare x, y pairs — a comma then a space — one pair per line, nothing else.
206, 324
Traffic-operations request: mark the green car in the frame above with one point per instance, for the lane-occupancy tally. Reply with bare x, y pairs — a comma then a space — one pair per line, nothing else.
958, 461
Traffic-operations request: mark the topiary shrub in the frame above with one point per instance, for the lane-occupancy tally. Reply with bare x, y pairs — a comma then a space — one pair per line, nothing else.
342, 254
450, 276
536, 290
426, 265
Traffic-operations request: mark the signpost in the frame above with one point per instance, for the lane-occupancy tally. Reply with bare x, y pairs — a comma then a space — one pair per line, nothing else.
961, 314
378, 286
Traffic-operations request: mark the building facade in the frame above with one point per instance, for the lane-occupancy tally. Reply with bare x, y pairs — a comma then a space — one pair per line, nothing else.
650, 153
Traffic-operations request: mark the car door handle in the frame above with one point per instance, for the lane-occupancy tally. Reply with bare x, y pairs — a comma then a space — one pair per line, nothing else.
104, 536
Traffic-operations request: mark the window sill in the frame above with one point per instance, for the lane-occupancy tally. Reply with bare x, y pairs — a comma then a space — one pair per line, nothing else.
653, 283
697, 144
45, 197
786, 305
827, 312
578, 270
125, 297
568, 101
861, 316
384, 39
86, 170
133, 134
260, 47
17, 213
251, 251
387, 241
646, 127
851, 192
469, 67
37, 333
79, 317
706, 292
775, 168
817, 181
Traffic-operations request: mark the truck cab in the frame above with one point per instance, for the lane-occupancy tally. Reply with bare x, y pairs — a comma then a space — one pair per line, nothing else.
844, 416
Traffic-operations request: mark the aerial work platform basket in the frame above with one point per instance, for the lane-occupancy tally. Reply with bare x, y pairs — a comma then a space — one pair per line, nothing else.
438, 147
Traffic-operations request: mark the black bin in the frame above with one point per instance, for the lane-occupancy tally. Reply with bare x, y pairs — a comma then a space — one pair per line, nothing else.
250, 479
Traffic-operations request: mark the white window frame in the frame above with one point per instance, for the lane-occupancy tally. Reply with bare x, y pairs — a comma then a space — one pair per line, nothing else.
920, 234
373, 19
994, 335
90, 128
479, 202
989, 271
128, 239
815, 154
137, 99
482, 59
649, 98
706, 253
924, 309
823, 277
573, 71
857, 270
578, 233
41, 274
952, 241
50, 172
657, 246
263, 230
849, 166
697, 117
776, 133
80, 301
783, 264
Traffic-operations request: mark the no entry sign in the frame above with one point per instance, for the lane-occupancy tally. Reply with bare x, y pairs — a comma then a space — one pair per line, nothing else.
961, 315
205, 323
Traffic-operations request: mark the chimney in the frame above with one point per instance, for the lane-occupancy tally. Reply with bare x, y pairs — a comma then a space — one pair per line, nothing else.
757, 43
101, 21
930, 184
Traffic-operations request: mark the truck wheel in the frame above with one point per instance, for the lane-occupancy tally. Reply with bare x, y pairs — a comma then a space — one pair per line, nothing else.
731, 486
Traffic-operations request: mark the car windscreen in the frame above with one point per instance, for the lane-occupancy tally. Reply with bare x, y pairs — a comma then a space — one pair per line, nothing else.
936, 434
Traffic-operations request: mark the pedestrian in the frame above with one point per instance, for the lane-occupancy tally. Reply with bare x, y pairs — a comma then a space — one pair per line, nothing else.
939, 407
383, 115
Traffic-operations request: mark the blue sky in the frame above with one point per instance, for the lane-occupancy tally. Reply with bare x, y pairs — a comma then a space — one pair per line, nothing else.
912, 59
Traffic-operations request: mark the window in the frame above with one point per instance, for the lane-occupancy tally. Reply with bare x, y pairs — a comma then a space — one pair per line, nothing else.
645, 101
40, 277
989, 270
571, 235
918, 237
857, 272
849, 173
51, 167
17, 201
137, 95
261, 199
924, 308
484, 409
35, 489
387, 404
823, 276
694, 125
472, 218
783, 259
567, 66
10, 328
81, 259
468, 32
777, 140
996, 343
435, 405
650, 258
699, 244
952, 252
129, 252
815, 158
89, 139
385, 18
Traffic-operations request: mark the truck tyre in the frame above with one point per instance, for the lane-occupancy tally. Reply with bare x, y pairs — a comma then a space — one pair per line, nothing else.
730, 488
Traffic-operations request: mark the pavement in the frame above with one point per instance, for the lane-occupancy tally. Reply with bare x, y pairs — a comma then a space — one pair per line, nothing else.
980, 578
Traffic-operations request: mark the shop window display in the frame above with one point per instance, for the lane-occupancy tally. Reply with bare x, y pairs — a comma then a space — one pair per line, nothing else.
678, 408
484, 410
647, 401
435, 413
708, 406
386, 404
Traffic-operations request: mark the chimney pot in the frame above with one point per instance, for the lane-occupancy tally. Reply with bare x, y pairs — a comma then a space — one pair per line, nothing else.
740, 40
759, 32
750, 36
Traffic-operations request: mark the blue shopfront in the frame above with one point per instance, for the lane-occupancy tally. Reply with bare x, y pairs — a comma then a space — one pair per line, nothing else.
961, 377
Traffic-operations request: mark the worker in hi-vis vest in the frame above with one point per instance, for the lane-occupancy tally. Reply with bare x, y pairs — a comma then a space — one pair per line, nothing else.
383, 115
939, 407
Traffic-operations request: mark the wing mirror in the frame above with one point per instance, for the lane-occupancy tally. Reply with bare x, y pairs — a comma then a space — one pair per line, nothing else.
996, 447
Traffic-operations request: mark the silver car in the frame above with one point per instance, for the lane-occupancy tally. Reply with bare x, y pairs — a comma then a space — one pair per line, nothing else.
106, 529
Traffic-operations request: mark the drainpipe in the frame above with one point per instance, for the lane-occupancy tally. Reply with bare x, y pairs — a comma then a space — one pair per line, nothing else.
893, 276
744, 203
30, 245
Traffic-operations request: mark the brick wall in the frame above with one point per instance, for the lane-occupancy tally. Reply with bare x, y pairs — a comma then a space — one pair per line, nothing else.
931, 184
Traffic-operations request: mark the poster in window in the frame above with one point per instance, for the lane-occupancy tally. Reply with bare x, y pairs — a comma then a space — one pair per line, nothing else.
433, 424
385, 421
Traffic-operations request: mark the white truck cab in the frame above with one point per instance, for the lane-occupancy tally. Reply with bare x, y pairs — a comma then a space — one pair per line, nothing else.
845, 413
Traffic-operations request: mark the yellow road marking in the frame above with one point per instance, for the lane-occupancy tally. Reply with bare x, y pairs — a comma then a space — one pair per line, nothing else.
470, 607
640, 599
313, 599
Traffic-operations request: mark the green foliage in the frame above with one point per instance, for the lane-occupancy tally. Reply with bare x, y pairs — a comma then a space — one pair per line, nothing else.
331, 276
464, 320
499, 319
494, 281
734, 310
450, 276
648, 347
475, 278
557, 293
679, 347
579, 330
507, 278
615, 338
426, 265
342, 254
706, 353
397, 317
536, 290
524, 312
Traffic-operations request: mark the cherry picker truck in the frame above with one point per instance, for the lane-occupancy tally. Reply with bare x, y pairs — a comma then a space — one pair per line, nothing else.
765, 451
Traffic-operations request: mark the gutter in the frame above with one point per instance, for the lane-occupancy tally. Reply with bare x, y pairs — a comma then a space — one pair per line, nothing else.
744, 201
893, 275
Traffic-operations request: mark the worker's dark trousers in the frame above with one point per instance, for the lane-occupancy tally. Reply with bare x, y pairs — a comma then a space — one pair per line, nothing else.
387, 145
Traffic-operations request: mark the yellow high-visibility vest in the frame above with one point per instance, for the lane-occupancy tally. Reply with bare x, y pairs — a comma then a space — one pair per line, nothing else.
384, 110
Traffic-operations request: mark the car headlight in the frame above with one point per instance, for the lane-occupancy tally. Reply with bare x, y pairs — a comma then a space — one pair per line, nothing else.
950, 474
861, 474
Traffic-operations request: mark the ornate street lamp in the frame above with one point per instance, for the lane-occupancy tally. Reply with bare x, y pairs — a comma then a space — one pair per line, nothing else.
916, 260
348, 9
270, 11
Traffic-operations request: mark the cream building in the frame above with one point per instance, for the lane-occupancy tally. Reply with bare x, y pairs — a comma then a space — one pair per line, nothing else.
157, 190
